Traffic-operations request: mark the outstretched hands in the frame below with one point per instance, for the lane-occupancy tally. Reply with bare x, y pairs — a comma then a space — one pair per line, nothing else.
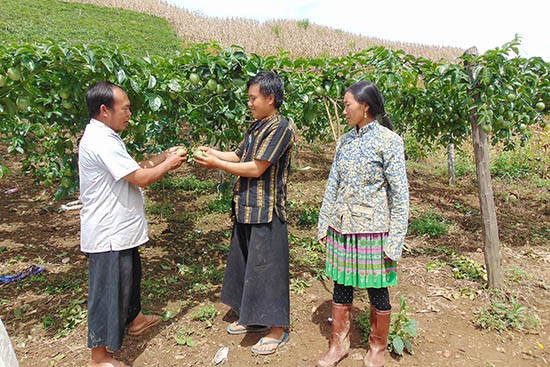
207, 157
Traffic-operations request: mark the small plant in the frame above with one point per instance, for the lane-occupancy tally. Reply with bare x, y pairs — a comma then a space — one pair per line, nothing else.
206, 314
299, 286
183, 337
431, 225
165, 210
308, 217
403, 330
438, 250
221, 204
465, 268
505, 314
516, 275
434, 265
306, 251
72, 316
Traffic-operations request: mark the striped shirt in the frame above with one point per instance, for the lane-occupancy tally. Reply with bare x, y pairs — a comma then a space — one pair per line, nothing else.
255, 199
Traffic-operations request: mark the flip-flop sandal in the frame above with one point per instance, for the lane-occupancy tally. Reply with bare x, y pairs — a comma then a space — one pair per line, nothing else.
152, 321
275, 343
233, 330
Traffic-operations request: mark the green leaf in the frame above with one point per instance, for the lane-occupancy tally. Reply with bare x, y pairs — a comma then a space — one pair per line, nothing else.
398, 345
174, 85
408, 346
121, 76
152, 82
155, 103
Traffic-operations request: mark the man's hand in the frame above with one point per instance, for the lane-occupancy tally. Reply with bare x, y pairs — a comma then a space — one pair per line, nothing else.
175, 157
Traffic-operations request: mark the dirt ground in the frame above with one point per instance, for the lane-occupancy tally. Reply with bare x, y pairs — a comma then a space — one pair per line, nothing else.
34, 231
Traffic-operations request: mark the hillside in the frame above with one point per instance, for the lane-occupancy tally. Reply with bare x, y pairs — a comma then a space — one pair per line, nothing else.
300, 38
37, 20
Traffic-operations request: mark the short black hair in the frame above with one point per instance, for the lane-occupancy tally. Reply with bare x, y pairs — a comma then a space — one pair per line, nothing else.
101, 93
270, 83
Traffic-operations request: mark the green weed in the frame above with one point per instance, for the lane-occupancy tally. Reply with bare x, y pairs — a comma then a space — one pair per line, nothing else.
221, 204
72, 316
437, 250
189, 183
403, 329
505, 314
308, 217
156, 288
165, 210
515, 275
183, 337
520, 163
431, 225
299, 286
465, 268
306, 251
434, 265
206, 314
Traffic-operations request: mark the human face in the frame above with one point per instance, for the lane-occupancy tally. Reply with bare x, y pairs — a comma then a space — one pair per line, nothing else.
117, 117
260, 105
355, 111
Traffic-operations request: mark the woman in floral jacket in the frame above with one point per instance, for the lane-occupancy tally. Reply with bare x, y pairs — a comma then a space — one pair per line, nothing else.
363, 220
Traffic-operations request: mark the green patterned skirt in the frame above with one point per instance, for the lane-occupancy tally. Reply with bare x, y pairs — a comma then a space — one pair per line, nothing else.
358, 260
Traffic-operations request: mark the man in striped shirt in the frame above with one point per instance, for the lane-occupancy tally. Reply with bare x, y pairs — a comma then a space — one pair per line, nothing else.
256, 282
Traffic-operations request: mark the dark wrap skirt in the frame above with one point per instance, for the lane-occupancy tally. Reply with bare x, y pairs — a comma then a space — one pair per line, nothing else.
114, 280
256, 280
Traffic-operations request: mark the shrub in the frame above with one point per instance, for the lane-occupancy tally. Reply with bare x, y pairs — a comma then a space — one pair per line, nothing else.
431, 225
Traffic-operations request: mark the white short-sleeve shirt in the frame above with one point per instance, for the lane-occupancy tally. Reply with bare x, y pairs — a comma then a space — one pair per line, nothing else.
113, 214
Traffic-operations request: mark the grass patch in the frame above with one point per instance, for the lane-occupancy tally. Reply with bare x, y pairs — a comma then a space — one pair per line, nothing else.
34, 21
188, 183
432, 225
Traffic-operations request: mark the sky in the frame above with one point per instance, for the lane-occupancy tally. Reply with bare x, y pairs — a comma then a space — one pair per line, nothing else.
486, 24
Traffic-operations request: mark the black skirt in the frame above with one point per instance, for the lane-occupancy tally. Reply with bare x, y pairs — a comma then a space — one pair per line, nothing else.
256, 281
114, 280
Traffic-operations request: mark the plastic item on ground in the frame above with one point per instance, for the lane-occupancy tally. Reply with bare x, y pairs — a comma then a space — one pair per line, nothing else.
30, 271
221, 355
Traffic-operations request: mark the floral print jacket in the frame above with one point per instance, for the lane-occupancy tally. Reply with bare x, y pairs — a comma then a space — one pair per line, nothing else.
367, 189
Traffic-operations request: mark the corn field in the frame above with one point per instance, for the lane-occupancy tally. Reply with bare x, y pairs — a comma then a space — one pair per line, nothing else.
299, 38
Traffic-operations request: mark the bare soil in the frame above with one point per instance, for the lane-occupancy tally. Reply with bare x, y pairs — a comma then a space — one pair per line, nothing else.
34, 231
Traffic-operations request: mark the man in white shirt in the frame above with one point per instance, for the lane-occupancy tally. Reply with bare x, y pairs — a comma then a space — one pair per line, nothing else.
113, 223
